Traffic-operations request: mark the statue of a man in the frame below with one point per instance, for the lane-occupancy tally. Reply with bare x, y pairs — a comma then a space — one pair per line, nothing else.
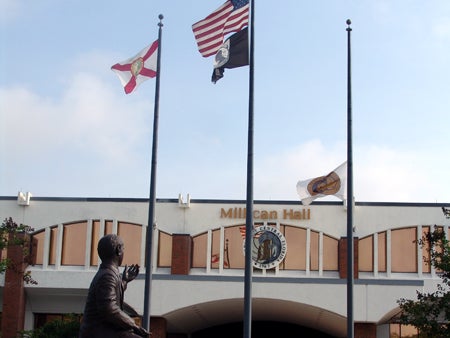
103, 314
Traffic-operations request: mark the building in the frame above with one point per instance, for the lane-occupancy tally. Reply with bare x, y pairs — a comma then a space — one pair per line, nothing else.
198, 263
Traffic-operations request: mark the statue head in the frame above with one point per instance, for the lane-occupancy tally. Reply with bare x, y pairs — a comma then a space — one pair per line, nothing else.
111, 249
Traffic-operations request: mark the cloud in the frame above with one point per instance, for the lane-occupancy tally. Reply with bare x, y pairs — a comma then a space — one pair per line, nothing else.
381, 174
387, 174
85, 139
89, 116
94, 141
276, 175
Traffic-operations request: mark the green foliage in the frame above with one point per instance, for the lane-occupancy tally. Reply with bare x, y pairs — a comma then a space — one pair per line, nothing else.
66, 328
446, 212
12, 234
430, 313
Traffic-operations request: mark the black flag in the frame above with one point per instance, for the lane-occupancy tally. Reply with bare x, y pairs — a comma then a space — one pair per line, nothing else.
232, 54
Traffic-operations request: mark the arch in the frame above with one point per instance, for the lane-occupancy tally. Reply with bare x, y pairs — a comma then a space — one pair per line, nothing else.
387, 318
197, 317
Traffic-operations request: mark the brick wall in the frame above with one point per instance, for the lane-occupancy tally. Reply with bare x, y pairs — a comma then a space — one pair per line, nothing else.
13, 314
342, 259
365, 330
181, 254
158, 327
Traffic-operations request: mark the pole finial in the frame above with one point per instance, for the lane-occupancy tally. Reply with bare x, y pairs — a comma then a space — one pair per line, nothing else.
160, 17
349, 22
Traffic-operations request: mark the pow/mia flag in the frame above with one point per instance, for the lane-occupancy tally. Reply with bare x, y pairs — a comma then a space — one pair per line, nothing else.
232, 54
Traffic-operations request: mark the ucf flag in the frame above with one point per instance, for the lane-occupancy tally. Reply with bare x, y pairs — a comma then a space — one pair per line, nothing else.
335, 183
232, 54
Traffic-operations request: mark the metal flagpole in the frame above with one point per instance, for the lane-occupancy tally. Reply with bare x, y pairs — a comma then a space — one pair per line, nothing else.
350, 258
152, 198
249, 203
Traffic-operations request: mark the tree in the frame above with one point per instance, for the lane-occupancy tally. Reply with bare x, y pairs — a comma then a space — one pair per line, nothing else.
68, 327
430, 313
13, 234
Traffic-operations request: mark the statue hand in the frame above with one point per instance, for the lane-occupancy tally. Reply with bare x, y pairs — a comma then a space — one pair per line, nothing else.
130, 273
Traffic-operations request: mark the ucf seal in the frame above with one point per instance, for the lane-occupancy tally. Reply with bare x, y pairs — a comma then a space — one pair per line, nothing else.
268, 247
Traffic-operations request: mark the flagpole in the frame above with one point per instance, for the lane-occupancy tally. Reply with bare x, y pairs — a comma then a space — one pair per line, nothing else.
249, 202
152, 198
350, 258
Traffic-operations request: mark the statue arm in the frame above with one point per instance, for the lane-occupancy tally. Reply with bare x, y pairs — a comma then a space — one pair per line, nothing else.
108, 303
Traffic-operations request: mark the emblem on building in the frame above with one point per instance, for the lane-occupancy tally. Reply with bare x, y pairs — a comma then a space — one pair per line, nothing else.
268, 247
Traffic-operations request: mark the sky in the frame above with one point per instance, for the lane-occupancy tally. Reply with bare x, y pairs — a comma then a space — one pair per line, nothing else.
67, 129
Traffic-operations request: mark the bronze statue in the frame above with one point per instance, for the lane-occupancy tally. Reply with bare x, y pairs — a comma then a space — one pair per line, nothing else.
103, 313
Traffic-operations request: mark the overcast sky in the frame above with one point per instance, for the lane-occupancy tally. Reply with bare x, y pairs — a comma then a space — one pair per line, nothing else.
67, 129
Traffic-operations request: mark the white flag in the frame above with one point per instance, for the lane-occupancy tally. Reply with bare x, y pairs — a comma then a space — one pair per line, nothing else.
335, 183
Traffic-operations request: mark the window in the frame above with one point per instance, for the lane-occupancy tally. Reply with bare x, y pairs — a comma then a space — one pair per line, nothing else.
365, 254
404, 250
38, 239
74, 244
131, 235
330, 253
165, 250
199, 248
402, 331
296, 243
234, 248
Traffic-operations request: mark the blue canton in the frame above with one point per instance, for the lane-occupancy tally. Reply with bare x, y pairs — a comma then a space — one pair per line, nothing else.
239, 3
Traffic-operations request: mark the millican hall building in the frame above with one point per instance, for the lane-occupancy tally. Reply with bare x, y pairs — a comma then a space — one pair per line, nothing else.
299, 274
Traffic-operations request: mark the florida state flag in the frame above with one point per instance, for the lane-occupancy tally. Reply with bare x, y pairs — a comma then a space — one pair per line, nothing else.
133, 71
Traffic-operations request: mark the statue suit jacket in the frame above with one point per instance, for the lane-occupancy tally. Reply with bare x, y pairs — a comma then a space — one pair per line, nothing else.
103, 314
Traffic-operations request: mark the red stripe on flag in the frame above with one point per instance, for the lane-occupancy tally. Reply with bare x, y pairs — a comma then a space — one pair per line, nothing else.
151, 50
214, 17
125, 67
214, 258
147, 72
209, 33
130, 85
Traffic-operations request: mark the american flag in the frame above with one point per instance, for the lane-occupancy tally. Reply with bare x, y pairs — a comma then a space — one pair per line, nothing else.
242, 230
216, 258
209, 33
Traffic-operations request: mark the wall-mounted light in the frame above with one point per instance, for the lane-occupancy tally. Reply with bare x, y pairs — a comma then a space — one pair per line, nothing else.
24, 199
183, 204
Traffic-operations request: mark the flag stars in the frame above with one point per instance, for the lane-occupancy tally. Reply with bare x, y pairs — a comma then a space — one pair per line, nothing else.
239, 3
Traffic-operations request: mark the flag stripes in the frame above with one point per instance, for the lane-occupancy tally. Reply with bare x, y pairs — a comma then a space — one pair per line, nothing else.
232, 16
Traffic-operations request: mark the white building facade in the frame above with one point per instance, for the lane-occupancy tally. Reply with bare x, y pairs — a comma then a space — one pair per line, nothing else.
198, 262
